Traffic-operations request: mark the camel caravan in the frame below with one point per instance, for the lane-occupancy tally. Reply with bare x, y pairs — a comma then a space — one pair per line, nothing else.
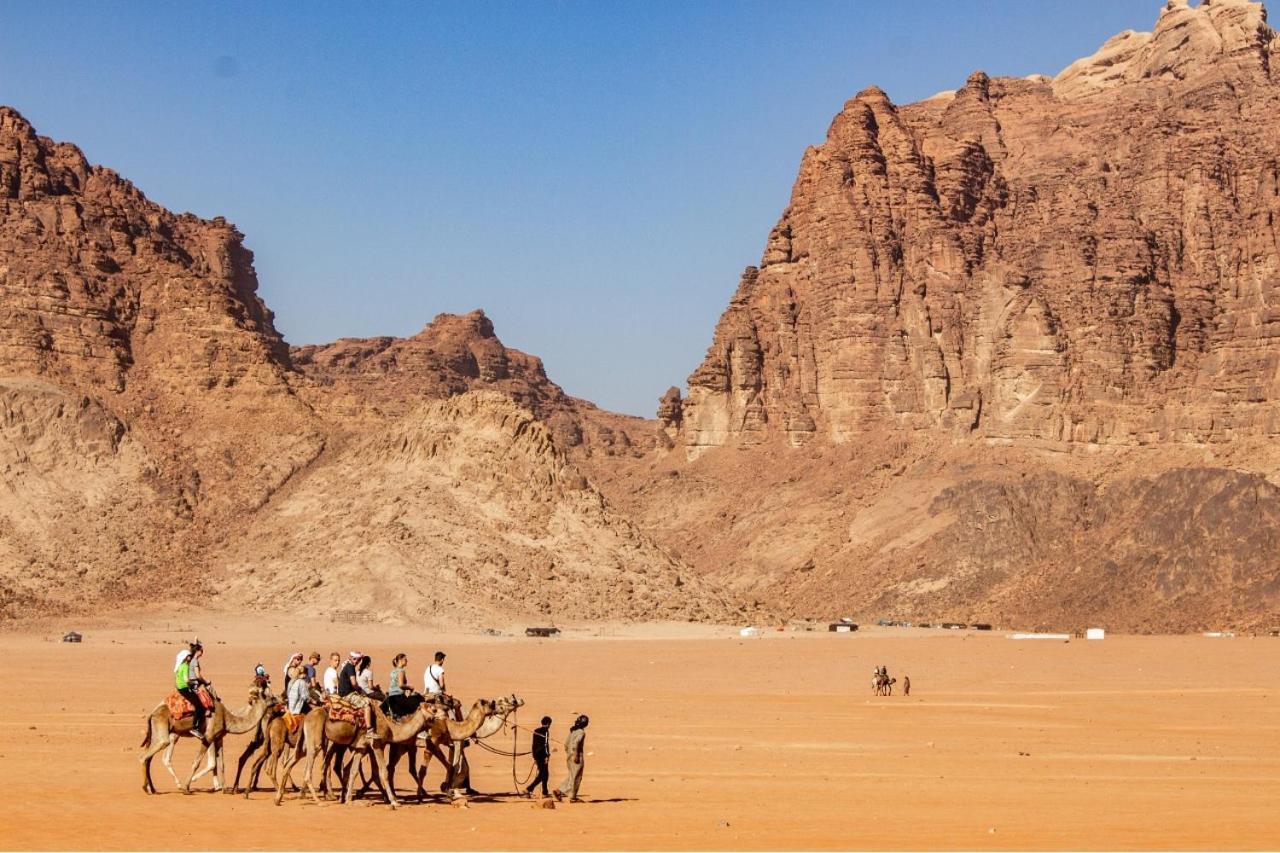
343, 721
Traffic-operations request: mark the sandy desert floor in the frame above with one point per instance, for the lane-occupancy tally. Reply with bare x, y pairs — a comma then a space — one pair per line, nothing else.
699, 739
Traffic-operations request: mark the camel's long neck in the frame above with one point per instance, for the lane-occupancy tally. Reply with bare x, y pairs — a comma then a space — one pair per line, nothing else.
239, 722
407, 729
490, 725
468, 727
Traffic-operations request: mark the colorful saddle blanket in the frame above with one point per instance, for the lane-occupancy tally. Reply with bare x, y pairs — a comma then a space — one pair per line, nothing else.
180, 708
341, 712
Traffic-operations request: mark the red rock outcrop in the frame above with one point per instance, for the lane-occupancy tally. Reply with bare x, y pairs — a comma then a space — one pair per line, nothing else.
1088, 260
160, 441
1011, 354
388, 376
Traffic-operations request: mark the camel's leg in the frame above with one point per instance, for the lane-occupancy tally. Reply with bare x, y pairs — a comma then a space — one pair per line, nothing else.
312, 749
208, 752
256, 769
413, 773
351, 776
221, 772
394, 751
258, 741
380, 772
290, 759
167, 758
159, 742
278, 763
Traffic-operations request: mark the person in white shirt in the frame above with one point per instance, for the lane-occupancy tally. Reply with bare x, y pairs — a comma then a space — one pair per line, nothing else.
331, 674
433, 681
433, 677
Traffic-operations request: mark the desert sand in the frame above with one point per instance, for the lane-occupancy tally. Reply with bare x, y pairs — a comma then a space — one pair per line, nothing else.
699, 740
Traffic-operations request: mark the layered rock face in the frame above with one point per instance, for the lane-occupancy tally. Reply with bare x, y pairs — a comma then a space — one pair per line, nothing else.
360, 377
1087, 260
1011, 354
465, 507
159, 440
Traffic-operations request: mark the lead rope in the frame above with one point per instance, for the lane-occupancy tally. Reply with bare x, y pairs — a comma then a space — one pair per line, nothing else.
515, 749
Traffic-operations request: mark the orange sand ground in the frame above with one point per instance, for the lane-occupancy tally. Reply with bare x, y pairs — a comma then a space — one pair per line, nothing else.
700, 740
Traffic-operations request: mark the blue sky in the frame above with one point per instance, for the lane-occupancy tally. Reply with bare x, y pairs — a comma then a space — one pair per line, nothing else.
594, 175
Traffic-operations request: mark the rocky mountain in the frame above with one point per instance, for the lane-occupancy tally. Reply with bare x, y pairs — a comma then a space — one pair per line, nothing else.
376, 377
1083, 270
1011, 355
465, 504
1086, 260
160, 441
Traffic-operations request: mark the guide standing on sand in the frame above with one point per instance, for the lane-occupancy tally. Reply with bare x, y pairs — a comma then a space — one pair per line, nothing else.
541, 751
573, 747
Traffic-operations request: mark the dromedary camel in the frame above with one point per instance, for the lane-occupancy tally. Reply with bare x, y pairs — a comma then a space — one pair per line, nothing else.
322, 735
163, 733
446, 733
882, 685
274, 737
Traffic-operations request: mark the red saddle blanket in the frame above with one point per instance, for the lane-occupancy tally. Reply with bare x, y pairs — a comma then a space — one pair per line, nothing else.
341, 712
180, 708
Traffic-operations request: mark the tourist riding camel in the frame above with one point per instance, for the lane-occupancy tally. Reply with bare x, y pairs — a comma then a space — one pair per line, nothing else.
173, 719
323, 731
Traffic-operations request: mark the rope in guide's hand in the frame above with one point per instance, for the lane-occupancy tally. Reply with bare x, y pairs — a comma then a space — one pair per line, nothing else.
515, 753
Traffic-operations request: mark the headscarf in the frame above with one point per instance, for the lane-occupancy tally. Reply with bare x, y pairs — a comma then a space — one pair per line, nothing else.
182, 655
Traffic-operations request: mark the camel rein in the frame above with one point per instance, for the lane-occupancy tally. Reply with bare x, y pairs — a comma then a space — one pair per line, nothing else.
515, 752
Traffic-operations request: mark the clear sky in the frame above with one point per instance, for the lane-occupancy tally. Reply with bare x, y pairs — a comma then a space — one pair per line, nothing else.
594, 175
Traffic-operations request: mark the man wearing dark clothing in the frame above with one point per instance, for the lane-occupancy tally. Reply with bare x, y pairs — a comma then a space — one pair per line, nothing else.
347, 678
541, 753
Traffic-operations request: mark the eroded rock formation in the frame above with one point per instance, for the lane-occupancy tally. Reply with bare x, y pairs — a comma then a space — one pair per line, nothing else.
1085, 260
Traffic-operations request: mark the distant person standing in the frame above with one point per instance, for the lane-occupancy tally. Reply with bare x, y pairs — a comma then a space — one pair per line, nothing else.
906, 685
573, 747
541, 751
331, 674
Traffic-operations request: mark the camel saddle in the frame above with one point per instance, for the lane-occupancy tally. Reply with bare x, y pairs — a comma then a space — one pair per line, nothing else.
340, 712
180, 708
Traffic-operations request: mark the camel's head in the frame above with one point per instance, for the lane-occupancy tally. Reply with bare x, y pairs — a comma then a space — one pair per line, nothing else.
486, 707
262, 693
507, 704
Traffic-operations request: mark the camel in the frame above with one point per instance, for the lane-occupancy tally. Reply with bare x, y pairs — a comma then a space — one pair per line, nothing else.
447, 733
882, 685
274, 737
163, 733
322, 735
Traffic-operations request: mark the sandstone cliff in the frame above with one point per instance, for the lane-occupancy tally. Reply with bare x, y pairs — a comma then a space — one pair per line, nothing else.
1088, 260
1011, 353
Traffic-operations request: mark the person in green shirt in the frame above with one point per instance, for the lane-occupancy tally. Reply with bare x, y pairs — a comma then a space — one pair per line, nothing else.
183, 680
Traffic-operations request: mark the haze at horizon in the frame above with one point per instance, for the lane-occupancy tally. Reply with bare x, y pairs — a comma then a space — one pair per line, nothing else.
595, 177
